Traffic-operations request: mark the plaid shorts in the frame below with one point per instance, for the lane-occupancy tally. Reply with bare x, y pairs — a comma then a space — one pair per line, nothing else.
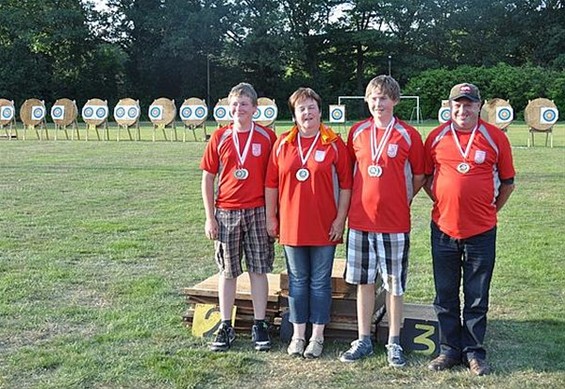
243, 231
370, 254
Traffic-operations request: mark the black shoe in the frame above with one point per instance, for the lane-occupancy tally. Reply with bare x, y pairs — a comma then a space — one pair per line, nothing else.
443, 362
224, 338
478, 366
260, 336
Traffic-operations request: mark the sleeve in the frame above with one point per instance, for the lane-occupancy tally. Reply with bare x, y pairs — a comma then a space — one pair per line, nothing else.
343, 165
350, 149
272, 177
505, 160
211, 158
416, 154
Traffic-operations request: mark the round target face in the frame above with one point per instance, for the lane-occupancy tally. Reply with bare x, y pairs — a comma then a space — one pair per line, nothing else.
257, 114
504, 114
269, 112
549, 115
444, 115
119, 112
220, 113
37, 113
88, 112
133, 112
155, 112
337, 114
57, 112
186, 113
101, 112
7, 113
200, 112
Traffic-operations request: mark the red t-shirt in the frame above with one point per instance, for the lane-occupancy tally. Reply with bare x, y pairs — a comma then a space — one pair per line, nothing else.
220, 157
307, 209
465, 202
382, 204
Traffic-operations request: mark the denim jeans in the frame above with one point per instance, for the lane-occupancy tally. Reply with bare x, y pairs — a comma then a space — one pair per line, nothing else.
470, 260
310, 283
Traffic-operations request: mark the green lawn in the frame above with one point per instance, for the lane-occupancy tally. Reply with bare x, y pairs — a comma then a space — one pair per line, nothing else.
97, 240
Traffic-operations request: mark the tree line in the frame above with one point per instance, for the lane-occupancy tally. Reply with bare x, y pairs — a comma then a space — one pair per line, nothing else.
147, 49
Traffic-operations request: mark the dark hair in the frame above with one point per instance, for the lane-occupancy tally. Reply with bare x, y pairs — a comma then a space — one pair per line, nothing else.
303, 94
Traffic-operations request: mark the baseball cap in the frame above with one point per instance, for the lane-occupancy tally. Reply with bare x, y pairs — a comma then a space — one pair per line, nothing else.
469, 91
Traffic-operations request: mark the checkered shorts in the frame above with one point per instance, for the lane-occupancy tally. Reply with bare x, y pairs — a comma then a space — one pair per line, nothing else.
370, 254
243, 231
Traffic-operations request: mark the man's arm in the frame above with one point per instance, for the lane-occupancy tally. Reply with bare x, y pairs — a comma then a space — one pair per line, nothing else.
211, 225
504, 192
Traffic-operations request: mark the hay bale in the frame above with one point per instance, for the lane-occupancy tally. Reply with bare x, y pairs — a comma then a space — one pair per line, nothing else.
9, 113
127, 112
64, 112
162, 111
95, 112
193, 112
32, 112
267, 112
222, 113
498, 112
533, 114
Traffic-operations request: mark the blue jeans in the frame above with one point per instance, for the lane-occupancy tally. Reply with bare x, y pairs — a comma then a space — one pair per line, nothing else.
310, 283
471, 260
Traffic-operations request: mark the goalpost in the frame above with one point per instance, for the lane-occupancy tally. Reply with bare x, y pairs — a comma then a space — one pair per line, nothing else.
415, 110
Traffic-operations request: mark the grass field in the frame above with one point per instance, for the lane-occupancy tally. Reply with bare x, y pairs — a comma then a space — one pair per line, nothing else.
97, 239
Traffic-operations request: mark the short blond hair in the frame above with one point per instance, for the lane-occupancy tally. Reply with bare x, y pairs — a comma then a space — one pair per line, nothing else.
388, 85
244, 89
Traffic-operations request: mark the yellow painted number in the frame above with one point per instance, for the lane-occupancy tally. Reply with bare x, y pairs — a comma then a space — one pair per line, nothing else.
425, 338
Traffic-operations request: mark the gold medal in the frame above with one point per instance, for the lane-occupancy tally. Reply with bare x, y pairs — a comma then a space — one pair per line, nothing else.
463, 167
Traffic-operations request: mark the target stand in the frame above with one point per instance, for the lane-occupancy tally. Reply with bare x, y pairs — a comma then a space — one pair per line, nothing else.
126, 114
8, 119
32, 114
541, 115
95, 115
162, 113
193, 113
64, 114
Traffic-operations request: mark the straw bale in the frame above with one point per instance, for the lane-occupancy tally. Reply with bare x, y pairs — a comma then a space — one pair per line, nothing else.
128, 103
26, 114
265, 101
227, 120
193, 102
169, 111
488, 112
6, 103
70, 114
96, 103
533, 111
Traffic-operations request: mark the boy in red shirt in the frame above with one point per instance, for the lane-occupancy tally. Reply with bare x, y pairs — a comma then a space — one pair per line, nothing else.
235, 219
388, 172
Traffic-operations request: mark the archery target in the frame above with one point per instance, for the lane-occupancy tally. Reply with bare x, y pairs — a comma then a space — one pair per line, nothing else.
58, 112
222, 113
119, 112
266, 113
504, 114
444, 114
548, 115
37, 112
337, 113
101, 112
185, 113
126, 112
258, 113
7, 113
156, 112
88, 112
193, 112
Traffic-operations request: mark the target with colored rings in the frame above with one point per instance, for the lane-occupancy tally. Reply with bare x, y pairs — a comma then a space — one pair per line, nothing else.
186, 113
504, 114
337, 114
120, 112
444, 114
101, 112
220, 113
7, 113
37, 113
57, 112
548, 115
155, 112
257, 114
200, 112
87, 112
269, 112
133, 112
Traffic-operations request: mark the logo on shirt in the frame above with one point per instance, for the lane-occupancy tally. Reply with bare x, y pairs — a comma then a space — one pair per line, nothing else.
392, 150
256, 149
319, 156
480, 156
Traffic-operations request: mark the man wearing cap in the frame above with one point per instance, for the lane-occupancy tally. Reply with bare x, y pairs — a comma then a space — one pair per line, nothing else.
470, 176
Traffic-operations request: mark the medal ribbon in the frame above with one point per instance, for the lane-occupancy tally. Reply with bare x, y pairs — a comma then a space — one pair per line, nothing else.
302, 157
377, 150
242, 156
465, 153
